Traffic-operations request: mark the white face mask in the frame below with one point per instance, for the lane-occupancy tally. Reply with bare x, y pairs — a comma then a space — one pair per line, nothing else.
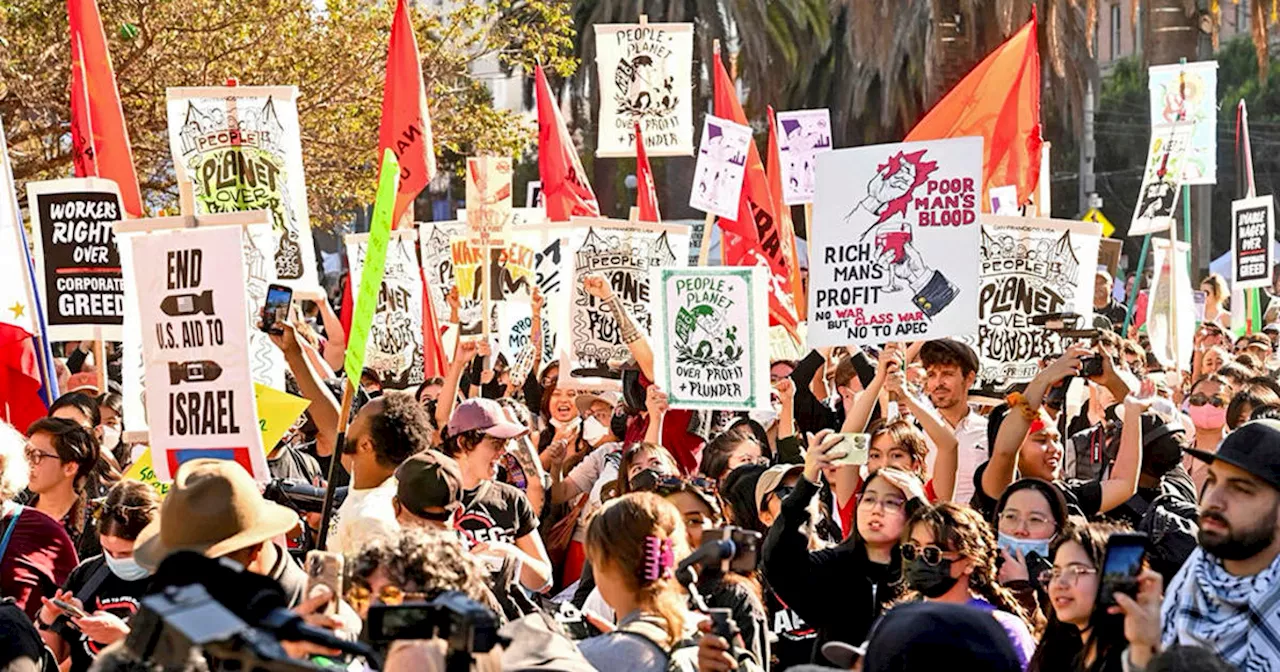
592, 430
110, 437
127, 569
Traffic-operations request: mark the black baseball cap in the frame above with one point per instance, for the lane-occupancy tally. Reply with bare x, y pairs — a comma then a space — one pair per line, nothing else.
430, 480
1253, 447
949, 347
929, 636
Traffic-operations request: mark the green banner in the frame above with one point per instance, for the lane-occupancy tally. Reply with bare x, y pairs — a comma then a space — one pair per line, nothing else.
374, 261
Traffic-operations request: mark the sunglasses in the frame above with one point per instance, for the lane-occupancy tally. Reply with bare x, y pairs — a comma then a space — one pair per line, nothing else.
1200, 399
360, 597
932, 555
672, 484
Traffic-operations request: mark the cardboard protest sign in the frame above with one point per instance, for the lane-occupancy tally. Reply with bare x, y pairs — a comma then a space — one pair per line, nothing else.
488, 195
802, 136
132, 366
722, 162
191, 302
709, 327
395, 336
1029, 267
646, 77
1109, 251
266, 361
1188, 92
896, 259
1253, 230
515, 334
533, 194
375, 257
239, 148
437, 260
624, 253
76, 259
1161, 184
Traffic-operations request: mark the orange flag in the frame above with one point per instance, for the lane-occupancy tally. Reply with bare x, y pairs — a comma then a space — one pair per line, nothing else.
565, 190
646, 192
434, 360
406, 126
1000, 101
99, 139
755, 235
786, 229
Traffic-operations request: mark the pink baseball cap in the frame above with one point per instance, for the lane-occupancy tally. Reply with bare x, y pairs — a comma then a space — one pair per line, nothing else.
485, 415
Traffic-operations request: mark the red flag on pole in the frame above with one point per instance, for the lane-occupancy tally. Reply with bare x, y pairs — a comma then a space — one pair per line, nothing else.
406, 125
434, 361
646, 192
786, 229
565, 189
99, 139
1000, 101
755, 235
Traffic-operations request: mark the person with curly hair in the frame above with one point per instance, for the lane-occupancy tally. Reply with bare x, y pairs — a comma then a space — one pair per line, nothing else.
949, 555
385, 433
415, 564
106, 586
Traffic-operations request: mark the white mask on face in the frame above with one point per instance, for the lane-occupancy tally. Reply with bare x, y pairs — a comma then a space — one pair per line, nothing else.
110, 437
127, 569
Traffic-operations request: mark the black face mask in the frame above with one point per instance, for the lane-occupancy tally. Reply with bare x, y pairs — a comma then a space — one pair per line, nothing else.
932, 581
618, 424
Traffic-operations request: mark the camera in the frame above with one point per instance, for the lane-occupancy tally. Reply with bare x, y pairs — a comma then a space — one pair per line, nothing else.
299, 496
1091, 366
465, 624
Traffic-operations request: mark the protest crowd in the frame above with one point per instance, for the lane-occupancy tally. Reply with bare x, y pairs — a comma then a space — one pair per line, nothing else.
876, 456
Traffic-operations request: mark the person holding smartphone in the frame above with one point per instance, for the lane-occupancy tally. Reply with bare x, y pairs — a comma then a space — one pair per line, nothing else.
103, 590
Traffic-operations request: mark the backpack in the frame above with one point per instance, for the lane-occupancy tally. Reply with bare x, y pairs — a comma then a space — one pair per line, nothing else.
1170, 523
681, 657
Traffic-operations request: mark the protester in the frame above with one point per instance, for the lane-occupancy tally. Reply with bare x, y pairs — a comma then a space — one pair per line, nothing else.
1207, 407
1216, 294
1103, 302
63, 455
949, 555
106, 586
36, 553
386, 432
1255, 393
496, 519
111, 426
415, 564
1029, 516
428, 491
932, 636
952, 368
1079, 636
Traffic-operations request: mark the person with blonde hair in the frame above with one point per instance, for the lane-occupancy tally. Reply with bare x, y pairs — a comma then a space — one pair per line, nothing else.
1216, 292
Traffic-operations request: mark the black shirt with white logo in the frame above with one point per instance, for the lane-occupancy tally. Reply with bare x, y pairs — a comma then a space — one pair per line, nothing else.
113, 595
495, 512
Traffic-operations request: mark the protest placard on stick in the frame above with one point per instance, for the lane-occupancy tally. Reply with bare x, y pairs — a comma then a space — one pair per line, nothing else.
802, 136
1252, 241
646, 76
396, 349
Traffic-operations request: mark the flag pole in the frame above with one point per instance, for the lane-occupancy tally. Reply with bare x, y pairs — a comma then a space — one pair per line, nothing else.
100, 359
326, 510
704, 249
1137, 281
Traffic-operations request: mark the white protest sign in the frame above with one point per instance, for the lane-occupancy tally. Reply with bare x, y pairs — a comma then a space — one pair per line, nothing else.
802, 136
1161, 185
722, 161
1254, 229
646, 76
1170, 313
893, 254
1030, 267
191, 303
488, 195
240, 149
437, 260
395, 344
1188, 92
711, 326
624, 253
77, 264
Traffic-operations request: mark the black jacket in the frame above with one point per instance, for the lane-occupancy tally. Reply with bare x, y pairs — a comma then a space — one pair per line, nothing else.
838, 590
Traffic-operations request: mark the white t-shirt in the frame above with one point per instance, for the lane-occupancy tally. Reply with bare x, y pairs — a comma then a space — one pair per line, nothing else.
596, 471
971, 435
365, 515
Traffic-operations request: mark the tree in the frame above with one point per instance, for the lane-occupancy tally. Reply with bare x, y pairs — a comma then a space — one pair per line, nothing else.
335, 55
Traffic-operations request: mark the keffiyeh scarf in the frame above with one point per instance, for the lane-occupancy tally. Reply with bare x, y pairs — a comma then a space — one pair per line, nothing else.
1236, 616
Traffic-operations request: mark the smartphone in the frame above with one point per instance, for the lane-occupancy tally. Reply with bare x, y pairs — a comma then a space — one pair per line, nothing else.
722, 624
856, 446
325, 569
1091, 366
71, 610
276, 310
1121, 566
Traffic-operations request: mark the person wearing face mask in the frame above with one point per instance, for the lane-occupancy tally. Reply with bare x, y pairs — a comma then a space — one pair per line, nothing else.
1029, 516
111, 426
106, 586
948, 555
1207, 407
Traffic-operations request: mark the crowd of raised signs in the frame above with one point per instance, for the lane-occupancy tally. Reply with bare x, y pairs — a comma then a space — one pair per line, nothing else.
1110, 514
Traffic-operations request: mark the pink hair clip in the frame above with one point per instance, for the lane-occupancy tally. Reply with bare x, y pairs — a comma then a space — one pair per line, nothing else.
659, 558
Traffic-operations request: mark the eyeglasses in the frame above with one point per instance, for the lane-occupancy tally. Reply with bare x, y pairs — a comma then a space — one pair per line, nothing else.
677, 483
1033, 520
932, 555
1068, 575
1200, 399
890, 503
782, 492
35, 457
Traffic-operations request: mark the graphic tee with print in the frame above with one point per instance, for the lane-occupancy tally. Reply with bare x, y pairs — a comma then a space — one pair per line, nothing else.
495, 512
114, 596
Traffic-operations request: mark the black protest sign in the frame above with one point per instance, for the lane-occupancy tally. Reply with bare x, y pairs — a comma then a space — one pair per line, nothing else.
1253, 233
78, 263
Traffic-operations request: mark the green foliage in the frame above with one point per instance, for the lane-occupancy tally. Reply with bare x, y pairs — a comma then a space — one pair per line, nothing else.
336, 56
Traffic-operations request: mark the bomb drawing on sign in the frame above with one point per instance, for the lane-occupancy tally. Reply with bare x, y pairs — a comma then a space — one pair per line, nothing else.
883, 226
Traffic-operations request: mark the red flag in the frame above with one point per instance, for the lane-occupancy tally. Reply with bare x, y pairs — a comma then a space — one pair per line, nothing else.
434, 361
20, 382
1000, 101
406, 126
646, 192
346, 306
755, 236
786, 229
565, 189
99, 139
